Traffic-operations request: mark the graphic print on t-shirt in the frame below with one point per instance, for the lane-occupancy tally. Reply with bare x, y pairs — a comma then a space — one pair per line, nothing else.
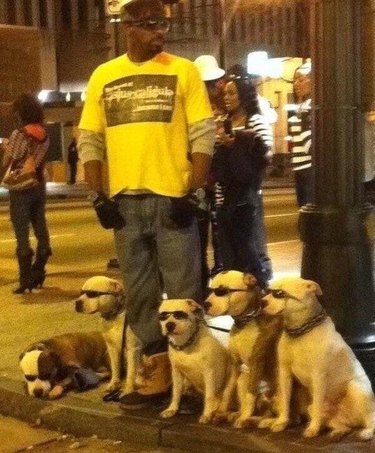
140, 98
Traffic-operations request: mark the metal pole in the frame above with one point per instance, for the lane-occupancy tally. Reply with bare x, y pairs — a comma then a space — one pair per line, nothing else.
222, 33
116, 35
337, 250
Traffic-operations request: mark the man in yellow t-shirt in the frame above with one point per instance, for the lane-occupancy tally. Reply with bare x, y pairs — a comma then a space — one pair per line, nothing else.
149, 111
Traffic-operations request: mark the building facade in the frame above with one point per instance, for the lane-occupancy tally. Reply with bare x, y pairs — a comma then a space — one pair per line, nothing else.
54, 45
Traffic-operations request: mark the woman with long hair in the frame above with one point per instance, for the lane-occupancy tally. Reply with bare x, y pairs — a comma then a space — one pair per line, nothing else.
28, 206
243, 150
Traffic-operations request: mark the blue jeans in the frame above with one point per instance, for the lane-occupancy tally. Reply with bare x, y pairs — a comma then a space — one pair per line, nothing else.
155, 257
238, 239
28, 206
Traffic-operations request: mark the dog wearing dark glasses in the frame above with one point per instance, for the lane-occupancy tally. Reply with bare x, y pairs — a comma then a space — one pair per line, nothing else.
311, 350
196, 356
50, 365
106, 296
252, 341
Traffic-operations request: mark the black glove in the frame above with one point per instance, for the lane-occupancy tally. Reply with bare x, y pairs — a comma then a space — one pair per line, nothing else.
108, 213
184, 209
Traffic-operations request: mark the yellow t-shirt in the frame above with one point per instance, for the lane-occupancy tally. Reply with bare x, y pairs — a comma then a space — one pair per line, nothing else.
144, 111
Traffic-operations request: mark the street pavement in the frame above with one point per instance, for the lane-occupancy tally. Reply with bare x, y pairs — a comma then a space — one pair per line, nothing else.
50, 311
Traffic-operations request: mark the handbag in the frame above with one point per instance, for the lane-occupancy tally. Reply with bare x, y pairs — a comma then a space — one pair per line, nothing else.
21, 174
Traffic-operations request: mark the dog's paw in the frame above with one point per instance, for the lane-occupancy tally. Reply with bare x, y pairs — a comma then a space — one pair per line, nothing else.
366, 434
168, 413
242, 422
204, 419
112, 396
220, 418
56, 392
311, 431
266, 423
232, 417
113, 386
278, 425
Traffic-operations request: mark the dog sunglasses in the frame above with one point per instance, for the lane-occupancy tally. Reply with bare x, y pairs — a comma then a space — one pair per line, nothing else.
178, 314
281, 294
42, 377
93, 294
224, 290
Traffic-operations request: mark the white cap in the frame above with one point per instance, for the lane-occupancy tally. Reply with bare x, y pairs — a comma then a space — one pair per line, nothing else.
208, 68
305, 68
127, 2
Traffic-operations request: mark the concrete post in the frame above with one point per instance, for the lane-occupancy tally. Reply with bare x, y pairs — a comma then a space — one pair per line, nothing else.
337, 250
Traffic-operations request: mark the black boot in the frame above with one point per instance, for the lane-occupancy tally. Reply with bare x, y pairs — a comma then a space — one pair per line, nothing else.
26, 282
38, 273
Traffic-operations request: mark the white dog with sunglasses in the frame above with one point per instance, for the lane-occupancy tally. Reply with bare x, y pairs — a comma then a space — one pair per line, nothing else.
196, 356
311, 350
252, 340
106, 296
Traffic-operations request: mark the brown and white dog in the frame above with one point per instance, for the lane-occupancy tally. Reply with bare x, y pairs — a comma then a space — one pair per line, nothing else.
48, 365
196, 356
252, 339
311, 350
106, 296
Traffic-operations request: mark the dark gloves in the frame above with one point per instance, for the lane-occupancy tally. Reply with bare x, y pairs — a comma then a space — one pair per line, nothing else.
108, 213
184, 209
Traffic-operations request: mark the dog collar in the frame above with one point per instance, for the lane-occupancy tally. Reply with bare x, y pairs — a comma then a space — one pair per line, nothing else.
190, 341
308, 326
112, 314
241, 321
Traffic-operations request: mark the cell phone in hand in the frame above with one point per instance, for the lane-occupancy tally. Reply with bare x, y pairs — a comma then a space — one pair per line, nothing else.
227, 124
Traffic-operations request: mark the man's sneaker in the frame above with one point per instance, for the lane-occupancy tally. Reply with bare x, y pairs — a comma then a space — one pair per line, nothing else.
135, 400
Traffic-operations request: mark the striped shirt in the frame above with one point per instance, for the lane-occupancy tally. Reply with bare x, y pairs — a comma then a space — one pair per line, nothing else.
299, 125
258, 124
19, 145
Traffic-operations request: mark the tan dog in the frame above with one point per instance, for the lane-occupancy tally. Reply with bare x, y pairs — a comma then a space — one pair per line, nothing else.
313, 351
252, 339
196, 356
106, 296
48, 365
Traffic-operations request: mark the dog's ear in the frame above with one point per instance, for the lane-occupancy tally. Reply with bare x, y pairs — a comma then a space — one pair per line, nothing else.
195, 308
116, 287
34, 347
314, 287
249, 280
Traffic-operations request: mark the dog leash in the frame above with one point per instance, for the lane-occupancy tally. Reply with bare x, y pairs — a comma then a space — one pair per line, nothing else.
220, 329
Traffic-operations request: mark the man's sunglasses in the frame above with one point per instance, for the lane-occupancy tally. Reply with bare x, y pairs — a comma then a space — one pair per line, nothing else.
224, 291
150, 24
93, 294
178, 314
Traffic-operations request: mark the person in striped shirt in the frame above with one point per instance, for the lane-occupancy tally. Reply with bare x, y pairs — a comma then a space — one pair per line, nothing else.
238, 165
299, 124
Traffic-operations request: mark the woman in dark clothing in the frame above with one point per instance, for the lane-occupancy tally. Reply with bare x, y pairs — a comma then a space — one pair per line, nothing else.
239, 163
72, 160
28, 206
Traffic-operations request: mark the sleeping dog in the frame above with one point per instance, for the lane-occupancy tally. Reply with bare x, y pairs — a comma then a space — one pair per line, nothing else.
106, 296
313, 351
196, 356
252, 339
50, 366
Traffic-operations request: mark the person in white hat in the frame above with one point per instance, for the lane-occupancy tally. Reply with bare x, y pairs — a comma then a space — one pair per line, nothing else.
149, 111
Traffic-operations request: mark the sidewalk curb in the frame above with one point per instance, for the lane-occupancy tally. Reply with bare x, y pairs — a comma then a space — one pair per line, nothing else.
87, 418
